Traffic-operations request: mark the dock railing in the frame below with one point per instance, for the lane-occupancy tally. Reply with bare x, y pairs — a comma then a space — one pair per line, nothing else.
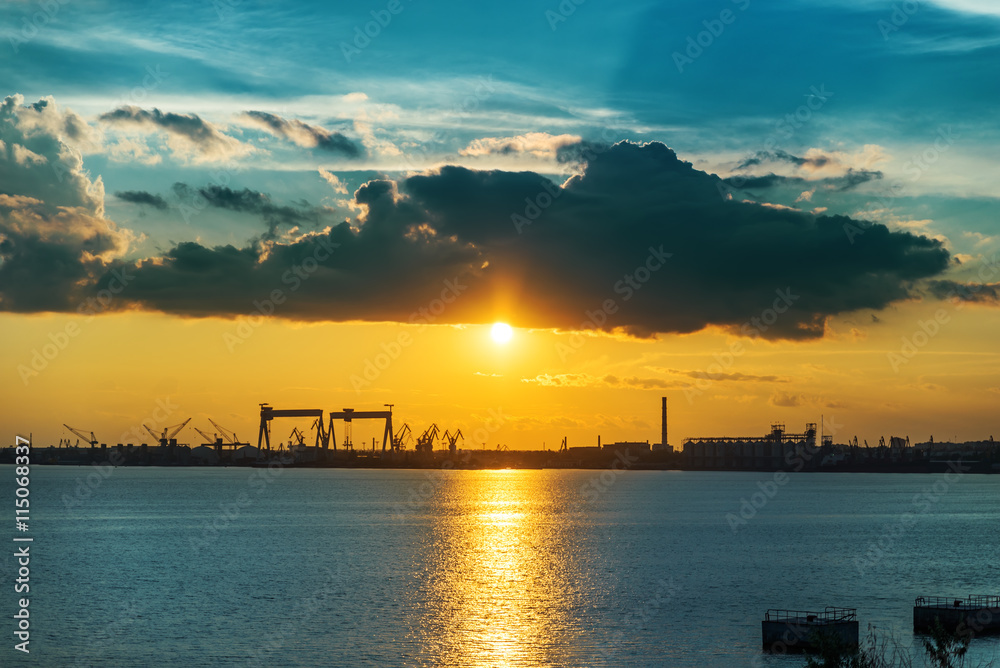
829, 615
975, 602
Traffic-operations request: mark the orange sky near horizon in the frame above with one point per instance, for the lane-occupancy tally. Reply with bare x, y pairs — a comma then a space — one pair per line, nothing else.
527, 394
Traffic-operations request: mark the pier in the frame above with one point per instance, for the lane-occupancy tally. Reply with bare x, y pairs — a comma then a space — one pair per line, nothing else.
794, 631
979, 614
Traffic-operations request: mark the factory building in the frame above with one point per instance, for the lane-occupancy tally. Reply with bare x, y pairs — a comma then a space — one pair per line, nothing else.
775, 450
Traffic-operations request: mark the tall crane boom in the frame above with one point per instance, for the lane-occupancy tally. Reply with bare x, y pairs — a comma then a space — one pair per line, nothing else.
208, 438
176, 429
226, 434
92, 439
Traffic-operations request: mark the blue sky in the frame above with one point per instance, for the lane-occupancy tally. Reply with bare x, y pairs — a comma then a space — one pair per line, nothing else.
874, 86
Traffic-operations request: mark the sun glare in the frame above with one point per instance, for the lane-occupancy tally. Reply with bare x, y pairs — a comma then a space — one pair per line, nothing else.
501, 333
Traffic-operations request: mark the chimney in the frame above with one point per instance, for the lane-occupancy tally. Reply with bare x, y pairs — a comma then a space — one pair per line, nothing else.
663, 424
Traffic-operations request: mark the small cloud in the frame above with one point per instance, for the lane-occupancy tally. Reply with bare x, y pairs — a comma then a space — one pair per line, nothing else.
785, 400
143, 197
805, 196
188, 135
335, 183
538, 144
302, 134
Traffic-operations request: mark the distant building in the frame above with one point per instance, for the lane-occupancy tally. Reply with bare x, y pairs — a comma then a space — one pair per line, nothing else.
631, 447
775, 450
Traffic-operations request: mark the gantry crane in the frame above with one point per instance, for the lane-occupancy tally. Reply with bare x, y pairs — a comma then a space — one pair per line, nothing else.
451, 438
425, 442
92, 440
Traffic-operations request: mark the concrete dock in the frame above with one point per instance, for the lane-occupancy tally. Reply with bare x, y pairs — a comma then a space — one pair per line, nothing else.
794, 631
973, 615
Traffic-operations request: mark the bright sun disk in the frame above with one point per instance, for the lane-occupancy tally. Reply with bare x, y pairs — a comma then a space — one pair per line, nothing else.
501, 332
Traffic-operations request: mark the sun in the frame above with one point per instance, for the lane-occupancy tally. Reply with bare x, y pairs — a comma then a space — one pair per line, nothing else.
502, 333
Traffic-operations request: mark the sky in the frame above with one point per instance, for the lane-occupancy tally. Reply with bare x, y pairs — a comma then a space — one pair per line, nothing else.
766, 212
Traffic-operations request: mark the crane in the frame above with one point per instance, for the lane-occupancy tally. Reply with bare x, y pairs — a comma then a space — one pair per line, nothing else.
226, 434
425, 442
176, 429
399, 440
451, 438
92, 440
321, 435
299, 437
168, 432
209, 439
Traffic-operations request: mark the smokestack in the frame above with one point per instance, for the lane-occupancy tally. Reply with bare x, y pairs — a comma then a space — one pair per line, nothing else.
663, 425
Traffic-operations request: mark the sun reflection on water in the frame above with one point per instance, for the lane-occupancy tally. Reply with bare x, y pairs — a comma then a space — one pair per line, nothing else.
498, 591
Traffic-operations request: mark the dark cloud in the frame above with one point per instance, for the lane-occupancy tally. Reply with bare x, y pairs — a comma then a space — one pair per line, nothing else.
143, 197
250, 201
761, 157
850, 179
979, 293
303, 134
54, 239
590, 253
198, 138
737, 376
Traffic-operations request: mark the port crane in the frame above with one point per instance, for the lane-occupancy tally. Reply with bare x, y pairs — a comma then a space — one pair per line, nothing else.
209, 438
300, 438
92, 440
452, 438
229, 436
425, 442
404, 434
168, 432
321, 435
